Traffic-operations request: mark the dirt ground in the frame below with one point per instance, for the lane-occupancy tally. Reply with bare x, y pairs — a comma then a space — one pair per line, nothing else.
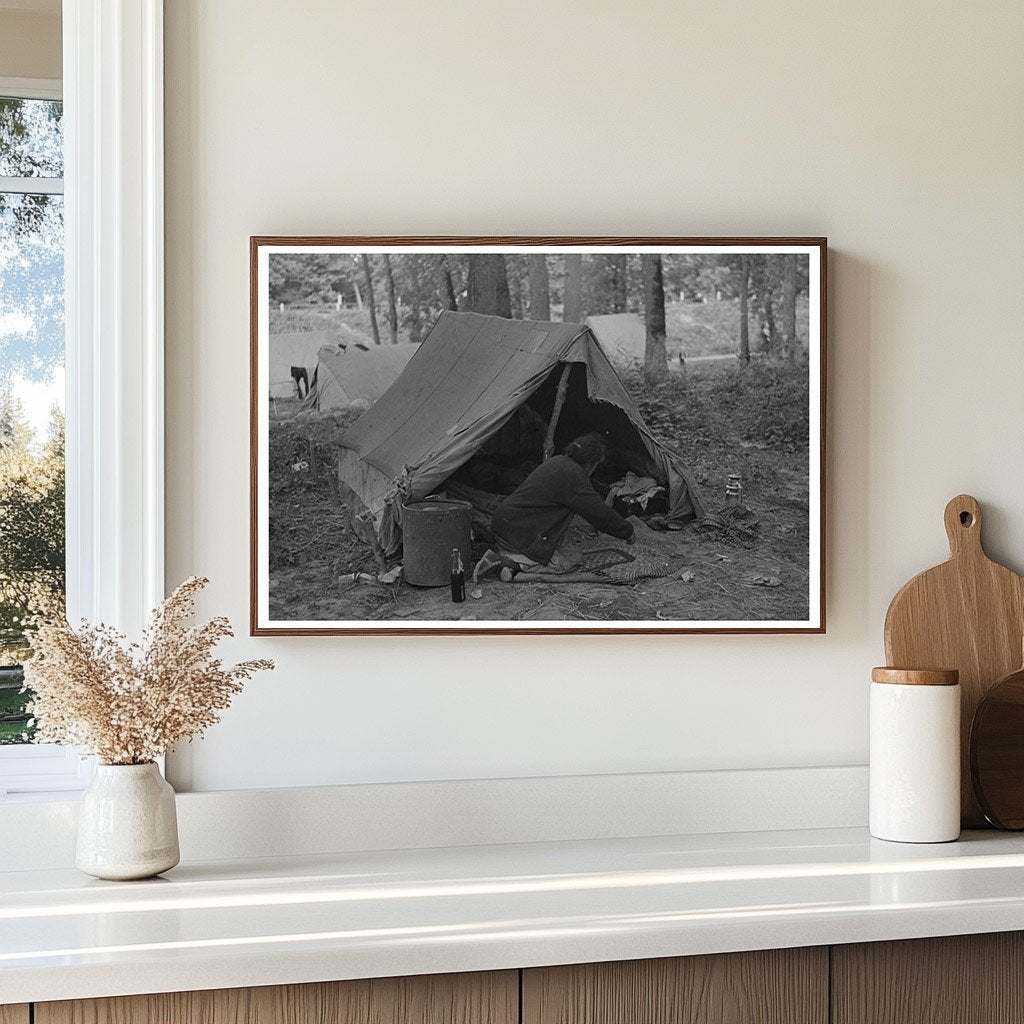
721, 419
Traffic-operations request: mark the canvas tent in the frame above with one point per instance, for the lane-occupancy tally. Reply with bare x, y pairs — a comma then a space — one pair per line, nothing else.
622, 336
481, 381
351, 375
301, 350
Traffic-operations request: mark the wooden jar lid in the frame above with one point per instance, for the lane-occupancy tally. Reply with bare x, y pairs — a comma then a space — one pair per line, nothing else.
916, 676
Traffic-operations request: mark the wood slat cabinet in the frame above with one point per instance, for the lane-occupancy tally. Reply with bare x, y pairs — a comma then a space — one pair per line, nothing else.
482, 998
968, 979
777, 986
962, 979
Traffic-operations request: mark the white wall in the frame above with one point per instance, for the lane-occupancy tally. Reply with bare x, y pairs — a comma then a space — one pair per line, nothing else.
895, 129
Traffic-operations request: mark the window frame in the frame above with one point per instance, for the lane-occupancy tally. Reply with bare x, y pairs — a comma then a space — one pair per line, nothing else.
31, 88
112, 90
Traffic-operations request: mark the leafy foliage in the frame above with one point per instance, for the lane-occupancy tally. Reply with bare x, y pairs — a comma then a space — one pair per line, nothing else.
14, 719
31, 525
764, 405
31, 138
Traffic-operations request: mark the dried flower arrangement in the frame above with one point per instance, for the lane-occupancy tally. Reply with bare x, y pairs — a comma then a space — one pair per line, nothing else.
130, 703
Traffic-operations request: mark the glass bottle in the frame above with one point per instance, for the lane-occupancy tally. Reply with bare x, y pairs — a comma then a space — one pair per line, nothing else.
458, 577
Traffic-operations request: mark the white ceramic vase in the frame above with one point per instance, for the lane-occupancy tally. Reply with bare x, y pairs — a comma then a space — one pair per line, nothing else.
127, 825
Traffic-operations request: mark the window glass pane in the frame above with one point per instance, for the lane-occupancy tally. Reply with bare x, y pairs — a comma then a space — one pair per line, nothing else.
31, 138
31, 431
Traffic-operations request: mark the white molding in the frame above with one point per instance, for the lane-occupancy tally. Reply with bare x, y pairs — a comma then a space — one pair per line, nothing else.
43, 768
244, 824
32, 88
32, 186
113, 110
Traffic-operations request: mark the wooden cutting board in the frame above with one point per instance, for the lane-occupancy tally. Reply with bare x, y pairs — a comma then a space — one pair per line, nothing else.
967, 614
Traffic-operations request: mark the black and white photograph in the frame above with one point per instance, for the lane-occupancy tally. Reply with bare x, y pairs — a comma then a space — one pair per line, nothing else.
537, 435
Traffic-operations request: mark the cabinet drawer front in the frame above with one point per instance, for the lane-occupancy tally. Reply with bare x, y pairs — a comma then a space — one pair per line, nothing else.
14, 1014
961, 979
778, 986
484, 998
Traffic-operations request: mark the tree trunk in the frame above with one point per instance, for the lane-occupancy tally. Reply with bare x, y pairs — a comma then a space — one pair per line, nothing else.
444, 285
655, 357
487, 286
389, 280
744, 326
620, 284
540, 291
514, 268
769, 332
370, 302
789, 308
572, 301
415, 324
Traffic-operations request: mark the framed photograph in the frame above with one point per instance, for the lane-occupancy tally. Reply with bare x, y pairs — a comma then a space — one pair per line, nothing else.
537, 435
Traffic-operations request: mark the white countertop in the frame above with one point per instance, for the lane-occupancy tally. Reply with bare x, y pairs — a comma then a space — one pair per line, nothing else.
298, 919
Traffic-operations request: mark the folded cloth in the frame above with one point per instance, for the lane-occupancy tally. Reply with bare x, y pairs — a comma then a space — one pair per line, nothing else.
637, 490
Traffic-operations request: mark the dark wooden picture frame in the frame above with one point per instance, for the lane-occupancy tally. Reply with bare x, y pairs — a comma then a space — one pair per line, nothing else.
816, 357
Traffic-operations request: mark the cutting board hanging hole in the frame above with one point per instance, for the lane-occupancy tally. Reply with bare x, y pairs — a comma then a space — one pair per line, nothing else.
963, 526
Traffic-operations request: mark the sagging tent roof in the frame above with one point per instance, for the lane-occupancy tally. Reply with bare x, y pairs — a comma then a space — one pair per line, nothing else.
344, 376
298, 349
466, 381
622, 336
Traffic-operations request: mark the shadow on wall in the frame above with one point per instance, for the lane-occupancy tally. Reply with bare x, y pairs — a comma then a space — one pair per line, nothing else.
852, 287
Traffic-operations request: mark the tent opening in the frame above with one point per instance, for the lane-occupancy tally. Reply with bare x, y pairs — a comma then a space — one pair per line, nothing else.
580, 414
508, 456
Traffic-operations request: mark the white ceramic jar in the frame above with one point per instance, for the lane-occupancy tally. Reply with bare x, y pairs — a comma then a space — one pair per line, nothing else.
915, 755
127, 823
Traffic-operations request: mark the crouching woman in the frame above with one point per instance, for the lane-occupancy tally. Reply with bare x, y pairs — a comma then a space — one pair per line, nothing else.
530, 523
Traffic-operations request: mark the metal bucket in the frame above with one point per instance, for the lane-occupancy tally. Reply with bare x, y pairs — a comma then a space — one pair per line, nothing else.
430, 530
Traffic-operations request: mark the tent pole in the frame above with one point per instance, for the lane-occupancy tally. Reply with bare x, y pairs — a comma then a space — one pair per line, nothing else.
563, 386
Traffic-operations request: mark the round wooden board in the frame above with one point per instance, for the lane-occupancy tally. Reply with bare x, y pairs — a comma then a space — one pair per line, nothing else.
997, 753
